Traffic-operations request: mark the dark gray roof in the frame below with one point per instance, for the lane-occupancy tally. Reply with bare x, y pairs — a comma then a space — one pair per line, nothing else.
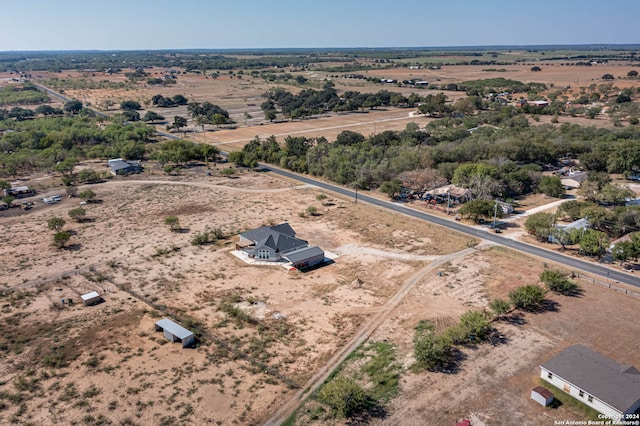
173, 328
118, 165
615, 384
303, 254
284, 228
263, 232
281, 243
279, 237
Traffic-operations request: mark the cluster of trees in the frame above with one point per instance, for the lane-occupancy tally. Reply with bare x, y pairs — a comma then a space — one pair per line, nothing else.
177, 152
163, 81
493, 85
208, 113
435, 351
26, 94
46, 143
312, 102
166, 101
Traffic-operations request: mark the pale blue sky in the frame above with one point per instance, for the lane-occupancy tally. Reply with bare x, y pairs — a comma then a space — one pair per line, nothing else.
230, 24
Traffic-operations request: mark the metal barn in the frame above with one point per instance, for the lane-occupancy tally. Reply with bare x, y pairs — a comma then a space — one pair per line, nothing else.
175, 332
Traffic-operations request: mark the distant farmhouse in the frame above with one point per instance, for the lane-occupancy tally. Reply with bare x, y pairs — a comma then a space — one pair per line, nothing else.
277, 243
120, 167
610, 388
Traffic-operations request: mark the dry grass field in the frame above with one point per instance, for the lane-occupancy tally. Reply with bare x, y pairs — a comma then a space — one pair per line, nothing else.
265, 329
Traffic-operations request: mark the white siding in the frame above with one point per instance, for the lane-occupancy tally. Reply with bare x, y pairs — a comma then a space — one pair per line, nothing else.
567, 387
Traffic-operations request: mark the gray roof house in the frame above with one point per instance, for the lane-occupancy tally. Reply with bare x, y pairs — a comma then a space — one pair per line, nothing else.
581, 224
610, 388
120, 167
278, 242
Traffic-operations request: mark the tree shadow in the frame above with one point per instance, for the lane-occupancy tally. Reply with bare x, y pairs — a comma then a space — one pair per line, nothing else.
452, 364
495, 338
516, 318
374, 410
73, 247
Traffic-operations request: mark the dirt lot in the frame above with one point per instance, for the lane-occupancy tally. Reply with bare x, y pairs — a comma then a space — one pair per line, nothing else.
63, 364
492, 383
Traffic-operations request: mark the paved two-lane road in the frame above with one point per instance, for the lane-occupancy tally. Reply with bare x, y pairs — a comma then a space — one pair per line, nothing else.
570, 262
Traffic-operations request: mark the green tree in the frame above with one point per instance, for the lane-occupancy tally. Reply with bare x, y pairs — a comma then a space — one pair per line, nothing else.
539, 225
345, 397
270, 114
391, 187
527, 298
55, 223
632, 73
499, 307
477, 209
65, 166
87, 195
624, 251
172, 222
4, 185
73, 107
475, 324
152, 116
551, 186
78, 214
60, 238
430, 350
88, 175
130, 105
593, 243
565, 237
71, 190
178, 123
8, 200
464, 173
559, 282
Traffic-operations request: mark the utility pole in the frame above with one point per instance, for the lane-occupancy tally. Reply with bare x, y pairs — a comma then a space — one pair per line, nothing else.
495, 214
448, 200
358, 182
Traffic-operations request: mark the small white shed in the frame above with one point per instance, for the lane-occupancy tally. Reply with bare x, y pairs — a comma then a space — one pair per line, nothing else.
175, 332
542, 395
90, 298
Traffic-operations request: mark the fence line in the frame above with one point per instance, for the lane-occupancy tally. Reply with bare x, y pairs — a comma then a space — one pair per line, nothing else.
593, 280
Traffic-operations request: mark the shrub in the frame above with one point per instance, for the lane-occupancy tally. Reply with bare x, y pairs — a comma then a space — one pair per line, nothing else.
344, 396
431, 351
558, 282
499, 307
55, 223
172, 222
60, 238
78, 214
528, 297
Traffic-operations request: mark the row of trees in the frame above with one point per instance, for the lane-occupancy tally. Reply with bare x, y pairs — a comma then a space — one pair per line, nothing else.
312, 102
